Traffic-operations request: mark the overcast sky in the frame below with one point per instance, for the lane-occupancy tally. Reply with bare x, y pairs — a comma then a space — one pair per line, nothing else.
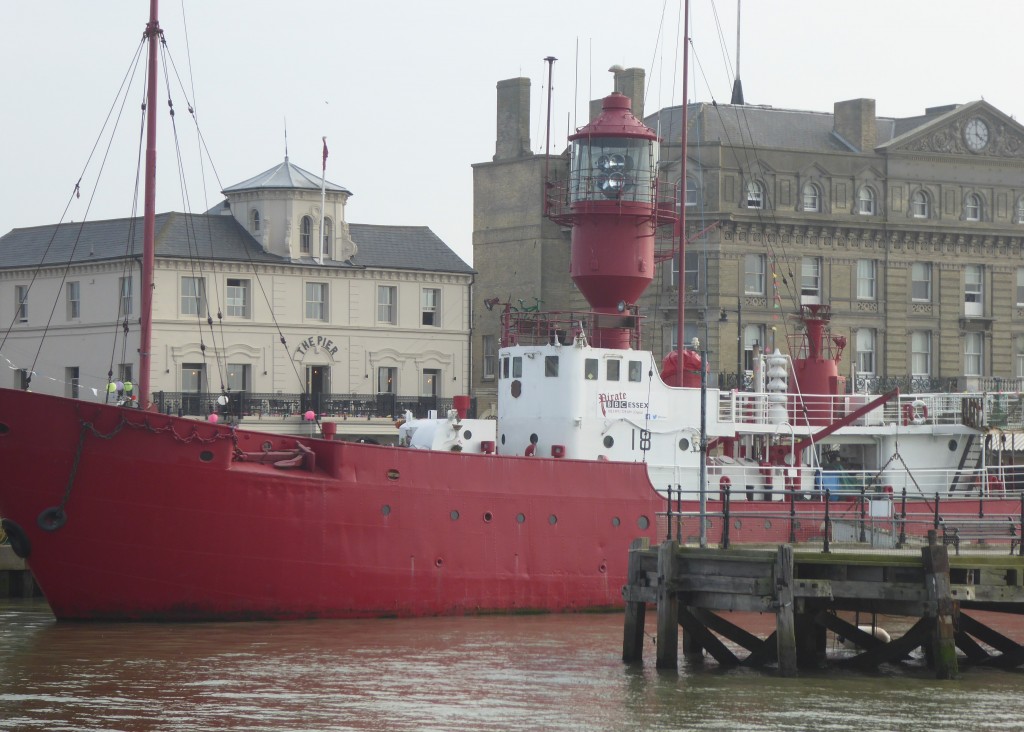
404, 90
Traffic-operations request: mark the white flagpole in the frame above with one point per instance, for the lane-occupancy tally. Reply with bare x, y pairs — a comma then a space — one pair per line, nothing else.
323, 205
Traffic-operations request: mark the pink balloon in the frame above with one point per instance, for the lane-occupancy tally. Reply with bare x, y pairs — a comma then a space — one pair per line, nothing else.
310, 415
213, 418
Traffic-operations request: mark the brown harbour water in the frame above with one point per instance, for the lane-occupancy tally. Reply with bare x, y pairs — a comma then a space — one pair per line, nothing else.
553, 672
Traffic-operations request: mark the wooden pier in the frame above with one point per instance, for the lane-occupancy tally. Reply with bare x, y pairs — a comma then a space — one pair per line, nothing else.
806, 589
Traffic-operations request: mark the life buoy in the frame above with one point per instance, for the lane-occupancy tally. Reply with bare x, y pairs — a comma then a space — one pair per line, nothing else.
16, 536
915, 412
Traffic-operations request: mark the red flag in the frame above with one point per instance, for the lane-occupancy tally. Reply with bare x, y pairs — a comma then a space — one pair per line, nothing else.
325, 153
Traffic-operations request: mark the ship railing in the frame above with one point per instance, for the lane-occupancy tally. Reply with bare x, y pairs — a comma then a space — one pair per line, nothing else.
978, 410
528, 326
285, 405
875, 520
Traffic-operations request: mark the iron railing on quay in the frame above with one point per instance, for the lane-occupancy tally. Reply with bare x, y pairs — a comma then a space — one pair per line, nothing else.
868, 520
264, 404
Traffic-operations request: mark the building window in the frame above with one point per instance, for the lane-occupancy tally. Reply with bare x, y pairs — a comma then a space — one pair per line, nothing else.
387, 298
71, 381
387, 380
866, 351
74, 296
305, 234
124, 372
753, 335
866, 201
125, 287
692, 276
431, 314
239, 377
490, 356
974, 361
21, 303
865, 279
193, 296
22, 379
810, 280
973, 290
431, 382
812, 197
1020, 286
755, 194
691, 192
921, 282
972, 207
919, 205
1019, 357
238, 298
1020, 210
920, 353
326, 246
753, 274
316, 301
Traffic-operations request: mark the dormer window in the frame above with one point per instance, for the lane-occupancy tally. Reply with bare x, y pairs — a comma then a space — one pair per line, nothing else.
755, 195
919, 205
866, 201
255, 221
327, 238
812, 197
972, 207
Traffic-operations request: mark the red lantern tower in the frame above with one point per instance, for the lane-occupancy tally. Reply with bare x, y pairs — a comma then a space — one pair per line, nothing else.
612, 197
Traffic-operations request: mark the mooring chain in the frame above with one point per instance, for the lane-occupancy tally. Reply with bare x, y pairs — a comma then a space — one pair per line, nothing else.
54, 517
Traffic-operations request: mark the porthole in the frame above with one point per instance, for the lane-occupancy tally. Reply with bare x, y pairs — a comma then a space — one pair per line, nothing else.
520, 518
552, 519
439, 562
616, 521
267, 446
206, 456
953, 445
393, 474
608, 441
467, 435
454, 515
603, 568
503, 438
767, 523
385, 509
737, 524
487, 517
644, 523
684, 444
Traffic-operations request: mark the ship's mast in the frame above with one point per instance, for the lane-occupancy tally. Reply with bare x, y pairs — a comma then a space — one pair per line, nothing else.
680, 284
153, 34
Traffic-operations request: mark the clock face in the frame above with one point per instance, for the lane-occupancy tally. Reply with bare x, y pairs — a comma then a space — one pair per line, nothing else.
976, 134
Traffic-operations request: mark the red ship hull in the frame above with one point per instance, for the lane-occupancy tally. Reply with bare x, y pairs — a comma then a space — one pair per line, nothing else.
164, 522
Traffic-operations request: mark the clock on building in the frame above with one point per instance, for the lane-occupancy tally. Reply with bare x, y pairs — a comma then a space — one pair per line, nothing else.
976, 134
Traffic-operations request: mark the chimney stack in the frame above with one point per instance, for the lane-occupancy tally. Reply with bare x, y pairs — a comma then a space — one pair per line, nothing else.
513, 136
854, 121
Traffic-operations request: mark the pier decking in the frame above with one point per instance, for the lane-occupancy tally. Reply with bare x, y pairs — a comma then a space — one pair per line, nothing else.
806, 588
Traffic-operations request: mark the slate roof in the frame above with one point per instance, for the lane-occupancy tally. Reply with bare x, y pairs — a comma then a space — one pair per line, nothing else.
220, 237
284, 176
769, 127
217, 237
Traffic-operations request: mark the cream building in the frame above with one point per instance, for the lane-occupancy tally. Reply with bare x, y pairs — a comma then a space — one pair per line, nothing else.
249, 299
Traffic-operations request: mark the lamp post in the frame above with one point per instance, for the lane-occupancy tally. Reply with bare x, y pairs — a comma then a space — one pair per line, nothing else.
724, 318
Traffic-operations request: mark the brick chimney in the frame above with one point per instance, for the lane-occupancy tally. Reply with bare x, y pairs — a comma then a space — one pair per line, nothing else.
629, 82
513, 138
854, 121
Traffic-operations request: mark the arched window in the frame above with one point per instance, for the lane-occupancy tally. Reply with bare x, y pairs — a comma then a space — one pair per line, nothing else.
812, 197
972, 207
919, 205
255, 221
327, 238
305, 233
866, 201
1020, 211
755, 194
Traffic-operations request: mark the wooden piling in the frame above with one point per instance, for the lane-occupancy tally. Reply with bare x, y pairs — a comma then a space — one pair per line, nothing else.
785, 627
636, 594
668, 608
941, 608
